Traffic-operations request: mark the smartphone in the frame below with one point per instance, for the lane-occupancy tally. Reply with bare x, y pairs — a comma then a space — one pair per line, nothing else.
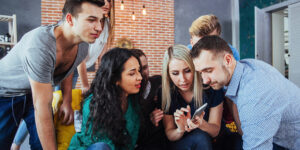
199, 111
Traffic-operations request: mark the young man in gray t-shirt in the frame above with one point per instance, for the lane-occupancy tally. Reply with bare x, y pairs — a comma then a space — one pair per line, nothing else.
43, 58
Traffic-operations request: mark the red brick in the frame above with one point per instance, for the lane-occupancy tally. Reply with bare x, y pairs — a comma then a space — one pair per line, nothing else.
152, 33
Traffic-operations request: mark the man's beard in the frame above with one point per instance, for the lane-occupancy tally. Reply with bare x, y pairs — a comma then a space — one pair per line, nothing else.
221, 84
226, 74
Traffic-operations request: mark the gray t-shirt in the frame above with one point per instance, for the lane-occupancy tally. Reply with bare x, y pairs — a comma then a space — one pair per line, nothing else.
34, 57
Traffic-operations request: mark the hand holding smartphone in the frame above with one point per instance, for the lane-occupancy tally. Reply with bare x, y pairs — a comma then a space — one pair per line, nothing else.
199, 111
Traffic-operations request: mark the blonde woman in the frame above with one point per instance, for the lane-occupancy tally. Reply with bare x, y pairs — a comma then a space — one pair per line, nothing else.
182, 94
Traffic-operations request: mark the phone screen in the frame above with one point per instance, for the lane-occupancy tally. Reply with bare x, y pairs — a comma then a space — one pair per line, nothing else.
199, 111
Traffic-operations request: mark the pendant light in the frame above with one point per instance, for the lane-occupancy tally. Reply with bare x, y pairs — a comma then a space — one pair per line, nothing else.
122, 5
133, 16
144, 12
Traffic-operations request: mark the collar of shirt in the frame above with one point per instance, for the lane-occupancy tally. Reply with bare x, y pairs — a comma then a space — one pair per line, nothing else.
233, 86
147, 90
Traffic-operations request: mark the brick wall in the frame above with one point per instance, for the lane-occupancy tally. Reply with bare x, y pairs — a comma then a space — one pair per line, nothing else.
51, 11
153, 33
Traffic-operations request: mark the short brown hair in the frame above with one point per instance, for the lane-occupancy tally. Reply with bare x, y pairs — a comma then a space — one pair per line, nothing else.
74, 6
138, 53
205, 25
211, 43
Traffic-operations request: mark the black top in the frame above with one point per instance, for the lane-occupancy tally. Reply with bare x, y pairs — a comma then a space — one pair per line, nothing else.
212, 97
150, 136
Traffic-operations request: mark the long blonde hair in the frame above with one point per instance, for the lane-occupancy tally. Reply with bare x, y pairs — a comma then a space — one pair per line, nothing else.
179, 52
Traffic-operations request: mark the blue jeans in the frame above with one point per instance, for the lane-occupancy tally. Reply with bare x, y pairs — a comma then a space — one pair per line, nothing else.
195, 140
13, 109
21, 134
99, 146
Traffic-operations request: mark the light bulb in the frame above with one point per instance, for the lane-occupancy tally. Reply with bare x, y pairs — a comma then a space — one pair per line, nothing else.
122, 5
144, 12
133, 16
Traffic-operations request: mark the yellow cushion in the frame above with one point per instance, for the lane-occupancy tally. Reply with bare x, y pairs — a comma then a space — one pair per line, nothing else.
64, 133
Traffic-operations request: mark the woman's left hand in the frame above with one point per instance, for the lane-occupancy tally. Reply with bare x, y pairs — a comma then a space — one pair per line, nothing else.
195, 123
156, 115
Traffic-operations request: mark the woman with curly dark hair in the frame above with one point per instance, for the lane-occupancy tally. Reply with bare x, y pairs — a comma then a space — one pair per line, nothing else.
110, 110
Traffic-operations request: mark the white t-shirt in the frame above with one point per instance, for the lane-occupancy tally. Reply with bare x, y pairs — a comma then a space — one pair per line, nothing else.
96, 48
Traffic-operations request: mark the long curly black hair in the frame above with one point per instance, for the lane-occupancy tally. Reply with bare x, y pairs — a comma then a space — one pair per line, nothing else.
106, 116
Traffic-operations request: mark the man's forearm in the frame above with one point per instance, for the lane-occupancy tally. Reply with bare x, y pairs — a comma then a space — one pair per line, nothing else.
42, 101
82, 71
45, 126
65, 110
66, 89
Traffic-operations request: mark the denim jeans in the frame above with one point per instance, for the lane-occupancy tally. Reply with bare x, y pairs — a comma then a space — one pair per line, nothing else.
195, 140
21, 134
99, 146
13, 109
